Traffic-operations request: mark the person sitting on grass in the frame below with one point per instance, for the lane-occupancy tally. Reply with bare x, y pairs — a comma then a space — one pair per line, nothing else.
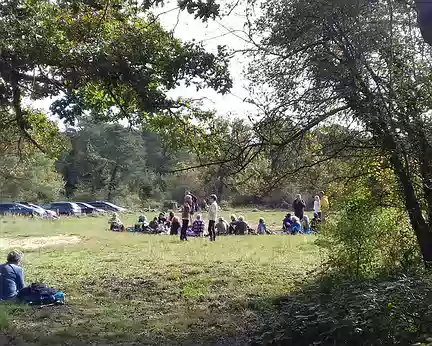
315, 222
142, 224
11, 276
262, 228
221, 227
115, 223
198, 226
154, 224
296, 227
162, 219
175, 226
287, 222
306, 224
241, 227
233, 225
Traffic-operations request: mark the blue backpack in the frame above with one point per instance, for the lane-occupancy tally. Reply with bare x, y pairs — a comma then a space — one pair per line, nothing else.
40, 294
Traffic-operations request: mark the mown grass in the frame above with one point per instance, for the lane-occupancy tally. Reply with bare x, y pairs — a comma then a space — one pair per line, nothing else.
124, 288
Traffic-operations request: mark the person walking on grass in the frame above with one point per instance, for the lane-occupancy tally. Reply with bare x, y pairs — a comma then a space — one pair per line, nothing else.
186, 215
299, 206
213, 215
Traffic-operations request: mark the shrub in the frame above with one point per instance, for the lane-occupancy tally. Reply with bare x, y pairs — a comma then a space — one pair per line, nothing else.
364, 239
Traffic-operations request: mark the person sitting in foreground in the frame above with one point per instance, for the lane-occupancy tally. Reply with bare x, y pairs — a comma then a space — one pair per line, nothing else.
116, 224
233, 225
11, 276
286, 223
198, 226
241, 226
315, 222
262, 228
296, 227
221, 227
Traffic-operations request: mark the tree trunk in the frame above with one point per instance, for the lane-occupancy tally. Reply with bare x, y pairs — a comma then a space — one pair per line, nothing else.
422, 229
112, 184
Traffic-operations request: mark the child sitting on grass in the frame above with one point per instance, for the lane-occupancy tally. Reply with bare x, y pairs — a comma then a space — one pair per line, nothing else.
198, 226
286, 223
115, 223
262, 228
296, 227
315, 222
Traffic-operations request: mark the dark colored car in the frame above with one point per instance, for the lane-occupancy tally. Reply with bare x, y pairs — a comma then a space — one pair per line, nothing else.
107, 206
18, 209
64, 208
89, 209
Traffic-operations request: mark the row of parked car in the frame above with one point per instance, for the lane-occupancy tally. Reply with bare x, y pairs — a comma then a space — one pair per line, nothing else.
59, 208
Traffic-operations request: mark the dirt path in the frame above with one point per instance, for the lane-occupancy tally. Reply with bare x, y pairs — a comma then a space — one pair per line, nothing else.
37, 242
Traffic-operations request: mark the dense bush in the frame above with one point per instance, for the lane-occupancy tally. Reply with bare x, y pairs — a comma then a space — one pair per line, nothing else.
363, 238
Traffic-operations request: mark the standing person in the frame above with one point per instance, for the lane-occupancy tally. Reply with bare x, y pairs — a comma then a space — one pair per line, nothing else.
11, 276
325, 206
299, 206
194, 202
212, 214
186, 214
317, 205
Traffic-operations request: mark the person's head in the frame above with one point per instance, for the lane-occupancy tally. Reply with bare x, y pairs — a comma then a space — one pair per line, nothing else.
241, 218
114, 215
322, 193
213, 198
171, 214
14, 257
316, 215
298, 196
161, 215
198, 217
294, 219
261, 220
155, 218
188, 199
317, 198
233, 217
306, 219
221, 219
288, 216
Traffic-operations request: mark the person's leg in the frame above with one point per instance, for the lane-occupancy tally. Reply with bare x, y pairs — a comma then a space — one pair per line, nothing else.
184, 230
212, 230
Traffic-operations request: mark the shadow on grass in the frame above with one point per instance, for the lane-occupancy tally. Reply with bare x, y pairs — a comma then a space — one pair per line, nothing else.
318, 312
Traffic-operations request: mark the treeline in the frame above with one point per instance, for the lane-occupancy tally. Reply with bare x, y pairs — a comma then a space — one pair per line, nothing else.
103, 161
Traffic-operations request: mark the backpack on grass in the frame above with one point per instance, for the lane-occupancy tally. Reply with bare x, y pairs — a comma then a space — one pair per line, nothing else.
40, 294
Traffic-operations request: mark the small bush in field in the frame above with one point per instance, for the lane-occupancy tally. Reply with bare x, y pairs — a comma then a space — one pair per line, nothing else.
364, 238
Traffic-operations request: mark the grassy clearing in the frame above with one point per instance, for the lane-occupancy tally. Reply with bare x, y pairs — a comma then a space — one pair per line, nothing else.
141, 289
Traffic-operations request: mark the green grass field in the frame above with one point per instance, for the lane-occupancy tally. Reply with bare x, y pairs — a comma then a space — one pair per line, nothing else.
125, 288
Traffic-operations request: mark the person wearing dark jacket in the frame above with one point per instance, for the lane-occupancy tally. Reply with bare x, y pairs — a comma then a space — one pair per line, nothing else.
11, 276
299, 206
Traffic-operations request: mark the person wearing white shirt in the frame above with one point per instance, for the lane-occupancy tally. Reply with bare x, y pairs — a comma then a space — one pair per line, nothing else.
317, 205
212, 214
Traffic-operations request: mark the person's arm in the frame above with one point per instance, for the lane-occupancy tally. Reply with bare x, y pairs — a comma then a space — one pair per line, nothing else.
303, 204
20, 279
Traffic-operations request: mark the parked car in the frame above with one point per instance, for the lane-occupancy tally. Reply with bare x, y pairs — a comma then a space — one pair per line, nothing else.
89, 209
64, 208
46, 212
19, 209
107, 206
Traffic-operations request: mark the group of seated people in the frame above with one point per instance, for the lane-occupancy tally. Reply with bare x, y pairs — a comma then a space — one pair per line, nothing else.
293, 225
237, 226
